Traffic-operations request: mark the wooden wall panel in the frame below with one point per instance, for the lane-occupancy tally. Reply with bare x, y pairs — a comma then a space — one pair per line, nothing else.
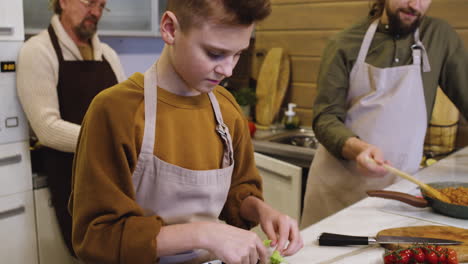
305, 116
296, 43
308, 15
464, 35
302, 94
453, 11
337, 15
340, 14
304, 69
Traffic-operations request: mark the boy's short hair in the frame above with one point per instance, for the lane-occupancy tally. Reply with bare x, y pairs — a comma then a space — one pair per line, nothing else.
192, 13
54, 5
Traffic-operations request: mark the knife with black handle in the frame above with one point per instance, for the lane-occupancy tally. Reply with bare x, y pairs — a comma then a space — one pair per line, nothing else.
330, 239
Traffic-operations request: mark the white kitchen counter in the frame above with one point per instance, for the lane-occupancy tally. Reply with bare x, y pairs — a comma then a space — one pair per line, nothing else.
367, 218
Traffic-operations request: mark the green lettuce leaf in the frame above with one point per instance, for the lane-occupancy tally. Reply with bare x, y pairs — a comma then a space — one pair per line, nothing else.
276, 257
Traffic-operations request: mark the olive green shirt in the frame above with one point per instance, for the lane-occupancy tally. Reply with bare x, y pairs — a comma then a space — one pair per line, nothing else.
449, 70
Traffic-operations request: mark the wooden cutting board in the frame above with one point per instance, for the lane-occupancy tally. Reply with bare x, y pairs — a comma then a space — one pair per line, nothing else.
272, 83
443, 232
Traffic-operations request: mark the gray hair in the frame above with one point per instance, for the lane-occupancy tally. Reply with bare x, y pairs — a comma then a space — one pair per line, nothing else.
54, 5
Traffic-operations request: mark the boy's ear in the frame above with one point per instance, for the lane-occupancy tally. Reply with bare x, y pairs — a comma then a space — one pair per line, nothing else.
168, 27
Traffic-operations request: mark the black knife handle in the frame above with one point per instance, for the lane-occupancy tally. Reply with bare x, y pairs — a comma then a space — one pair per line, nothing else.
329, 239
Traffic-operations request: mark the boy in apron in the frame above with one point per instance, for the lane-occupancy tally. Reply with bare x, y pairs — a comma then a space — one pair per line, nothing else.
377, 87
164, 156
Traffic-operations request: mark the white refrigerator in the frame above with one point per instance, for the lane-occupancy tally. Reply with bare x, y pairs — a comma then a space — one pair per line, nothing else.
17, 218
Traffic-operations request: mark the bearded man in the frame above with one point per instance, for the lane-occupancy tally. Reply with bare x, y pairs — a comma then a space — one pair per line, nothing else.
376, 91
59, 72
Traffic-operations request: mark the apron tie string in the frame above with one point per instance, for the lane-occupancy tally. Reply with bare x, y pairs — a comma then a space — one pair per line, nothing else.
419, 45
223, 131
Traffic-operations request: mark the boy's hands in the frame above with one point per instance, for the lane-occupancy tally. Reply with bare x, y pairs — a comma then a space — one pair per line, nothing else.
280, 229
232, 245
238, 246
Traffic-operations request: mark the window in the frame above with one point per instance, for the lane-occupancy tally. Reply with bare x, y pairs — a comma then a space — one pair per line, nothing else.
127, 18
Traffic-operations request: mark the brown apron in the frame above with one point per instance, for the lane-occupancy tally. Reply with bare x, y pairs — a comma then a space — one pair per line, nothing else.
79, 82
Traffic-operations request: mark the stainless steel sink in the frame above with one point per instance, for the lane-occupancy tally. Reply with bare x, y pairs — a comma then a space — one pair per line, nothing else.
299, 138
294, 146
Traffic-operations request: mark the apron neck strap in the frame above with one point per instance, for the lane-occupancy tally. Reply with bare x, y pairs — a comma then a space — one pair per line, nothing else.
55, 44
150, 90
151, 94
367, 41
417, 48
223, 131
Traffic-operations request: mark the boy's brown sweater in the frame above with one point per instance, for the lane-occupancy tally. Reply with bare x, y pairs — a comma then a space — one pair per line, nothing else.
108, 225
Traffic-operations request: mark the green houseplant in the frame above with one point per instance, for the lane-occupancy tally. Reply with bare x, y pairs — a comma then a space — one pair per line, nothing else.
246, 98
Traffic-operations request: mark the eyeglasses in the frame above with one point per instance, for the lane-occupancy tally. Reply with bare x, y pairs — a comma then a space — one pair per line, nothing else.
92, 4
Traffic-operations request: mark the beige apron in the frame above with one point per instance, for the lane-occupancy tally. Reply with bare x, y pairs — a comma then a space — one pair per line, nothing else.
386, 108
177, 194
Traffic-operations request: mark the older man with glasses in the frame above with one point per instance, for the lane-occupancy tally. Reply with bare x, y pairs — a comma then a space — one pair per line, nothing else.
60, 70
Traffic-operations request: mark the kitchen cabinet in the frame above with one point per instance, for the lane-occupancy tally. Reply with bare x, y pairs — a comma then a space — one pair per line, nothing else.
282, 184
17, 229
137, 18
13, 123
15, 168
17, 220
11, 20
52, 248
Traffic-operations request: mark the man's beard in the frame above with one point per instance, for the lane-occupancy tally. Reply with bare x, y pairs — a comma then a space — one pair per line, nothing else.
85, 32
397, 27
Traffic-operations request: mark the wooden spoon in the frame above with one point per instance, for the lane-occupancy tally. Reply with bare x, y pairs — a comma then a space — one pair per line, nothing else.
431, 191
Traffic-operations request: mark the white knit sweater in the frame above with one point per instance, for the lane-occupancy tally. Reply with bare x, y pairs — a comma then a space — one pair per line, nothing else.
37, 78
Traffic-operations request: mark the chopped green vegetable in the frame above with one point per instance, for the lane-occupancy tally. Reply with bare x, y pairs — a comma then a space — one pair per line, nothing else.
267, 242
276, 258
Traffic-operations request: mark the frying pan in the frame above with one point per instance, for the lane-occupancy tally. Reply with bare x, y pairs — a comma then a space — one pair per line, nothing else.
453, 210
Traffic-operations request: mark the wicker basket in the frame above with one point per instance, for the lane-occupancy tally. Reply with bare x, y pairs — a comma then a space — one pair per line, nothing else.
442, 131
440, 139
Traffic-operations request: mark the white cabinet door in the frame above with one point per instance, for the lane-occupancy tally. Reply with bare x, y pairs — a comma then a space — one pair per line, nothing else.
15, 168
282, 183
13, 123
18, 229
11, 20
52, 248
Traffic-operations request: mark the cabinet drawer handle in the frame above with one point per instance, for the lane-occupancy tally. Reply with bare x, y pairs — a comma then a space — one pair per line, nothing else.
10, 160
287, 177
12, 212
6, 30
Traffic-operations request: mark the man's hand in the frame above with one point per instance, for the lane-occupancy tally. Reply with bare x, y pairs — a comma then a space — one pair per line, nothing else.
361, 152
